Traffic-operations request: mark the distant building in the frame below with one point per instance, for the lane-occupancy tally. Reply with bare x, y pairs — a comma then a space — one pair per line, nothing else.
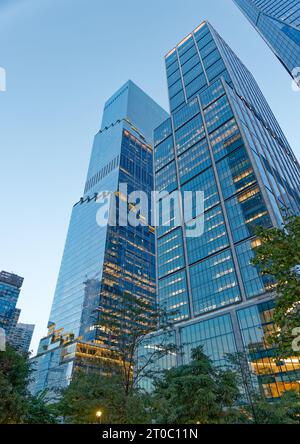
10, 287
20, 337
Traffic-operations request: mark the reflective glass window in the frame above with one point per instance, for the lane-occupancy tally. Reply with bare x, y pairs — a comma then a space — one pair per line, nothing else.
204, 182
215, 335
164, 153
196, 85
189, 134
214, 283
173, 295
170, 255
213, 239
218, 113
175, 88
177, 100
235, 172
246, 211
186, 113
194, 161
163, 131
254, 283
226, 139
166, 178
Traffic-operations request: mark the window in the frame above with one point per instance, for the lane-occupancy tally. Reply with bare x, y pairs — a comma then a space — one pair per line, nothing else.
192, 74
214, 283
212, 93
170, 256
164, 153
254, 283
188, 54
235, 172
211, 58
186, 113
213, 239
177, 100
166, 178
215, 335
173, 295
196, 85
194, 161
162, 132
225, 139
245, 212
204, 182
218, 113
175, 88
189, 134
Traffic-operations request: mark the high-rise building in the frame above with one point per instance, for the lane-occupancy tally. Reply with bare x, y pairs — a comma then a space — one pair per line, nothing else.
17, 335
223, 139
101, 262
10, 287
20, 337
278, 22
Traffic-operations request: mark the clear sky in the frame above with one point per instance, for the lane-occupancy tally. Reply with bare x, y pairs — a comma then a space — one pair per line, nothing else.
63, 59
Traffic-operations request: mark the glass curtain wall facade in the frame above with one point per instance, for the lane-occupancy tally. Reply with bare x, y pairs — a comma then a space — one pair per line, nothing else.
222, 138
102, 262
278, 22
10, 287
21, 337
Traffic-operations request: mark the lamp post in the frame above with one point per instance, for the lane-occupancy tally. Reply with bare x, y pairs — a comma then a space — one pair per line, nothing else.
99, 415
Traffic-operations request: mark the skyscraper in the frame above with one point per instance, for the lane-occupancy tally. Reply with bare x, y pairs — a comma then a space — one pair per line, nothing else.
17, 335
101, 262
10, 287
20, 337
222, 138
278, 22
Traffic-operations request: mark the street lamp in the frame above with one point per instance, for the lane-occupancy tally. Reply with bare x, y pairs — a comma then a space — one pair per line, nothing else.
99, 415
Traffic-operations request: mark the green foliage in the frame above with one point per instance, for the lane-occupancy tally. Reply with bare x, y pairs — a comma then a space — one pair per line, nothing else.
195, 393
89, 393
17, 406
126, 322
277, 256
256, 408
283, 411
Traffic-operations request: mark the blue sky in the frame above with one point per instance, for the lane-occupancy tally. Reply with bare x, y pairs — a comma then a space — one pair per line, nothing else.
63, 59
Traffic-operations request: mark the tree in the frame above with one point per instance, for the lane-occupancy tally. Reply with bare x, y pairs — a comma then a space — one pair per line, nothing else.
126, 323
245, 377
254, 407
88, 393
16, 403
285, 410
196, 393
278, 256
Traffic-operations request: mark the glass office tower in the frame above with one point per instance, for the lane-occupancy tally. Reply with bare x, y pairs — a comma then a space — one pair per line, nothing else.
278, 22
222, 138
101, 262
